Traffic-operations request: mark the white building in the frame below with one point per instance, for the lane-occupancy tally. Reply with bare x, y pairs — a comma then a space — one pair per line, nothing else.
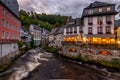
73, 30
36, 32
99, 23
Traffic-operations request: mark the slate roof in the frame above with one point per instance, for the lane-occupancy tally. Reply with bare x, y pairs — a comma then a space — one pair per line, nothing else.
117, 23
94, 9
36, 27
59, 30
70, 25
78, 21
53, 31
6, 7
99, 4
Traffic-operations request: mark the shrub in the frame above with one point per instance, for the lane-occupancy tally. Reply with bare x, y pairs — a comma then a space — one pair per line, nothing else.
20, 44
51, 49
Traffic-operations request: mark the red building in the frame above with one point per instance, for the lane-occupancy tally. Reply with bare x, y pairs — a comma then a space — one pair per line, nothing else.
9, 26
9, 30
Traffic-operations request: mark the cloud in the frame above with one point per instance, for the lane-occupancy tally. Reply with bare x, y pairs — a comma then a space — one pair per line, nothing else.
64, 7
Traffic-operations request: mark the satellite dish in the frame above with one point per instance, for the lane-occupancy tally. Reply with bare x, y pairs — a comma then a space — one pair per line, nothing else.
117, 7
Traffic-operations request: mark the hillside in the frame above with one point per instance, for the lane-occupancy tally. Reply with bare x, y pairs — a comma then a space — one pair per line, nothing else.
45, 21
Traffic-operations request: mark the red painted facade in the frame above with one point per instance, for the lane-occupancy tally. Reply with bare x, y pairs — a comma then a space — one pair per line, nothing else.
9, 26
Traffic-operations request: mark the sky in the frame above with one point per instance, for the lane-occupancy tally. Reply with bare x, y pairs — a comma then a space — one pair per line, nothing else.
64, 7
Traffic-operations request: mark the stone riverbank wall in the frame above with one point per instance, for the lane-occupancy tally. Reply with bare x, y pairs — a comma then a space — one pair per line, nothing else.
94, 53
8, 58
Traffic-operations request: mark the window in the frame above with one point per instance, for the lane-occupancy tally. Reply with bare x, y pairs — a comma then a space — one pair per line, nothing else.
100, 10
75, 29
108, 18
3, 34
71, 29
67, 30
108, 9
90, 20
89, 30
81, 29
108, 29
7, 35
3, 11
99, 29
3, 22
90, 11
100, 19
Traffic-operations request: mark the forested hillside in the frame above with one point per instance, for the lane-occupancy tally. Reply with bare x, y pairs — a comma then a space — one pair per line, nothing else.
46, 21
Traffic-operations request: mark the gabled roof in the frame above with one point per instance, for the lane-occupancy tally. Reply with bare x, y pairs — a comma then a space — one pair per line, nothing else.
53, 31
99, 4
36, 27
78, 21
70, 25
59, 30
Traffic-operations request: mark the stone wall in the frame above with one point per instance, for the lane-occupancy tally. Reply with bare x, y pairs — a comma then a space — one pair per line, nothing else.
90, 53
8, 58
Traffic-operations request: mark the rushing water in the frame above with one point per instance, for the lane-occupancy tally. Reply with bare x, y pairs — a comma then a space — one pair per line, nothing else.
33, 58
27, 63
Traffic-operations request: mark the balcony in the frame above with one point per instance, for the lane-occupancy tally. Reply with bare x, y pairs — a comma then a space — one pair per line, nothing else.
100, 32
109, 22
70, 32
90, 33
81, 31
75, 31
108, 32
90, 23
67, 32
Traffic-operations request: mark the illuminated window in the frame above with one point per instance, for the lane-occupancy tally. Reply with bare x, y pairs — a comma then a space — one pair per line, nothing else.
100, 10
108, 8
100, 19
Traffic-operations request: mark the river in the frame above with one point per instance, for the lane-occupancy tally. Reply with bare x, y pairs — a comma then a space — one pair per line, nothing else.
37, 64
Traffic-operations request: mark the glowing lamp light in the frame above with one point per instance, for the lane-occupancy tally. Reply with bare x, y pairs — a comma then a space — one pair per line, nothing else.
104, 40
112, 40
118, 42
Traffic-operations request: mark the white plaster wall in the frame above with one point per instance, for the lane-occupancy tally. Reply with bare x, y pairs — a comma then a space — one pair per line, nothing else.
6, 49
85, 28
64, 31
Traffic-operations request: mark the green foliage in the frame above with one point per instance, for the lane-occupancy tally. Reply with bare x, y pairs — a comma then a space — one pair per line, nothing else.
50, 49
32, 43
20, 44
44, 20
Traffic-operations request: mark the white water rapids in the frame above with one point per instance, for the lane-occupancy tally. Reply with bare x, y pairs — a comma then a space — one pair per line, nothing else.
28, 63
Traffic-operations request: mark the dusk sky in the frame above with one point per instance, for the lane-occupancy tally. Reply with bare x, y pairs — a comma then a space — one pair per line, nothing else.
64, 7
